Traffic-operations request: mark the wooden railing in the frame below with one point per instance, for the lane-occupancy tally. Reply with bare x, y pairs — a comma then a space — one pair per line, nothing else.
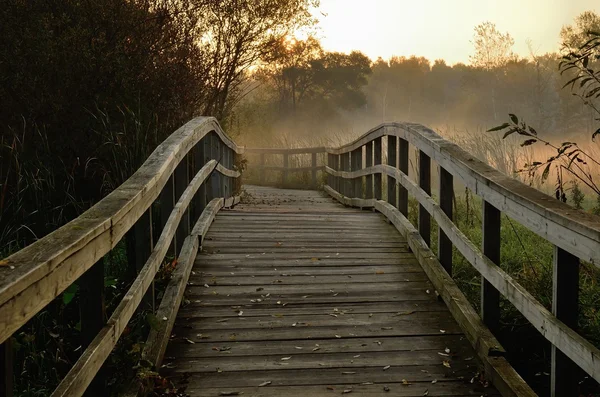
575, 235
285, 169
190, 176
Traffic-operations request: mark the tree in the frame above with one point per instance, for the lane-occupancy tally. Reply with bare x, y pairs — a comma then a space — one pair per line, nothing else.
574, 36
493, 49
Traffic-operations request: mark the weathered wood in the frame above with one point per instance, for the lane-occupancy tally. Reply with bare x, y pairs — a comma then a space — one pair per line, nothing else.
377, 155
308, 150
446, 188
182, 179
59, 259
93, 316
314, 169
577, 348
330, 164
357, 184
82, 373
564, 374
345, 184
200, 158
392, 161
369, 177
403, 159
425, 184
490, 297
6, 368
504, 377
286, 166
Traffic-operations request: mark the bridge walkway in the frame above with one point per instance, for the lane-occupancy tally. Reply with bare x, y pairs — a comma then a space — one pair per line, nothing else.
296, 295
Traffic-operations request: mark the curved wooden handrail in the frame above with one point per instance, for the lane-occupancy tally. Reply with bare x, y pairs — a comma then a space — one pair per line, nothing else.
569, 230
33, 276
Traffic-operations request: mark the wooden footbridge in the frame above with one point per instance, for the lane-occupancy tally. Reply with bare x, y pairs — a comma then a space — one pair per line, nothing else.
306, 292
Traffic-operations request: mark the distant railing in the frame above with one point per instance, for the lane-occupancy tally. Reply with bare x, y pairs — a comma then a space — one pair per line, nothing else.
191, 175
575, 235
285, 170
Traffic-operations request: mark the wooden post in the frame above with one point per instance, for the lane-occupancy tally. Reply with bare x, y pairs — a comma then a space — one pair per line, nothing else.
339, 186
357, 165
261, 169
286, 164
314, 168
182, 180
167, 202
392, 161
403, 166
6, 368
200, 198
215, 177
93, 316
377, 182
369, 163
446, 195
425, 184
345, 166
565, 306
490, 297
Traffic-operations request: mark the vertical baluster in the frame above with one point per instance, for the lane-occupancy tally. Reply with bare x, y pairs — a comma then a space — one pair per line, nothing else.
377, 181
6, 368
313, 163
207, 144
425, 184
369, 163
338, 180
215, 178
392, 161
330, 164
182, 180
345, 166
356, 166
490, 297
403, 166
200, 198
261, 169
286, 165
167, 202
92, 317
446, 194
565, 306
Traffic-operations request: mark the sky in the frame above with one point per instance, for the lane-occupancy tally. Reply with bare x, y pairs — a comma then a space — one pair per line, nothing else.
442, 28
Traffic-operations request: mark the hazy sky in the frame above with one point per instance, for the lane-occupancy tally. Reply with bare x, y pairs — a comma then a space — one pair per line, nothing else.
442, 28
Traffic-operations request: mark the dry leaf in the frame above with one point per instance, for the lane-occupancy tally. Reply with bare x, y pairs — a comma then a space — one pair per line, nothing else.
346, 391
286, 358
446, 364
267, 383
426, 393
189, 341
386, 367
405, 382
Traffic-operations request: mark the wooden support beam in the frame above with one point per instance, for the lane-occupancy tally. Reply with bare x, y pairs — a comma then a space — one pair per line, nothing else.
392, 161
330, 164
215, 177
490, 297
369, 163
345, 166
6, 368
403, 166
446, 185
199, 161
314, 170
167, 202
286, 166
93, 317
377, 182
564, 379
425, 184
357, 165
182, 180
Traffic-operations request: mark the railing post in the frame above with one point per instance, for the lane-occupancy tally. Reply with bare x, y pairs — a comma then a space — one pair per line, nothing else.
339, 185
565, 306
215, 178
207, 145
446, 195
92, 316
377, 182
403, 167
261, 170
330, 165
425, 184
286, 164
392, 161
6, 368
369, 163
200, 198
345, 166
490, 297
356, 166
167, 203
182, 180
314, 168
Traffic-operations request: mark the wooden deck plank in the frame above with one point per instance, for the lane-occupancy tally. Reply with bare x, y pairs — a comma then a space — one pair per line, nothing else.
316, 298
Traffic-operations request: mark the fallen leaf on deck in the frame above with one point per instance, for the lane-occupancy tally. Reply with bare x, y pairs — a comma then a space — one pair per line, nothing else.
386, 367
267, 383
346, 391
189, 341
446, 364
285, 358
405, 382
404, 313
